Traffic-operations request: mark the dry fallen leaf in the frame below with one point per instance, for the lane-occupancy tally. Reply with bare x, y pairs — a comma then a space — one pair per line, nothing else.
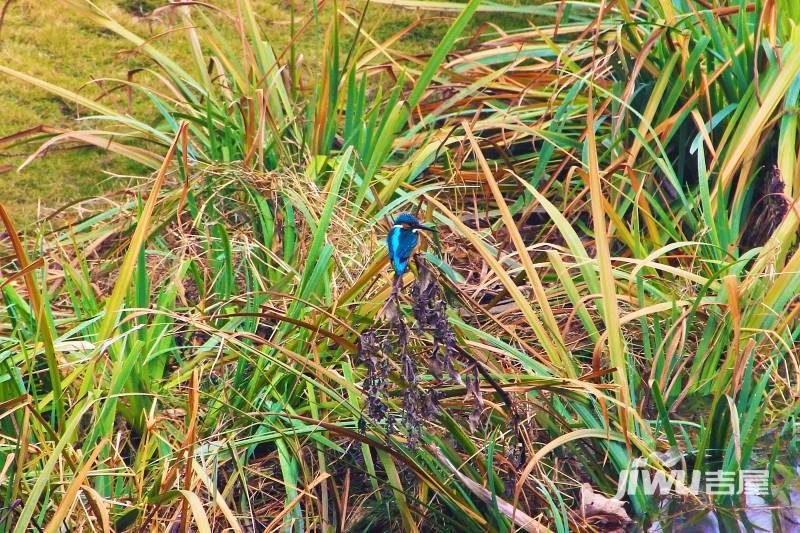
607, 514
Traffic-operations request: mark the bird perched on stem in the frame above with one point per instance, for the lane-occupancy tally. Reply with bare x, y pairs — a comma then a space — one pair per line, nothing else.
402, 239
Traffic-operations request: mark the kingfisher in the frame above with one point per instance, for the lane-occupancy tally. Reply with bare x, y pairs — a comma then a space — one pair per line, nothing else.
402, 239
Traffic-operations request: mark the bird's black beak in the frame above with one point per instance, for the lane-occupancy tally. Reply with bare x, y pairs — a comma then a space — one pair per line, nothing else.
427, 228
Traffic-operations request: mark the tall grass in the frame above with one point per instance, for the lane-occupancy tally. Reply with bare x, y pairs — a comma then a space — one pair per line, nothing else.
615, 260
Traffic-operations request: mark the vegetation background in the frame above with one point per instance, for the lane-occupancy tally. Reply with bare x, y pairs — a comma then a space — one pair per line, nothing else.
213, 339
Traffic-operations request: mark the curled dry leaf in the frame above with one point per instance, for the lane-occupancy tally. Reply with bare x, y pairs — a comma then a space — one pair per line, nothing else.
607, 514
73, 346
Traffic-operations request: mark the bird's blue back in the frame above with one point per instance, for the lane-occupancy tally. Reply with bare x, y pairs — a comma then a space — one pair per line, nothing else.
401, 243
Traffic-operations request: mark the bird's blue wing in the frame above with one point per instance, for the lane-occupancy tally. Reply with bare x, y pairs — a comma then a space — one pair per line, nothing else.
392, 243
401, 244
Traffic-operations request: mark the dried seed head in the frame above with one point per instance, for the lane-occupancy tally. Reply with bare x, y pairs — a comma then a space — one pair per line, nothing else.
431, 406
474, 394
768, 212
430, 312
376, 380
419, 405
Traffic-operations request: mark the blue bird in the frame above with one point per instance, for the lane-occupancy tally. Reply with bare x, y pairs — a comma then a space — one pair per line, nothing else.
402, 239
